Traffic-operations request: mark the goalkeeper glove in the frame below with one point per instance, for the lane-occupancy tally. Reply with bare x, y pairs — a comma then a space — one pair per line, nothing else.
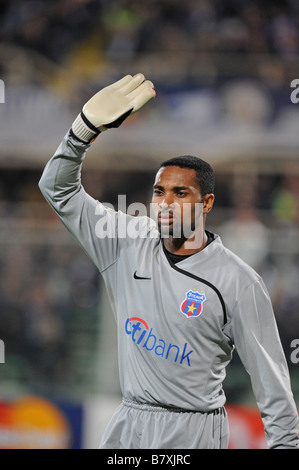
111, 106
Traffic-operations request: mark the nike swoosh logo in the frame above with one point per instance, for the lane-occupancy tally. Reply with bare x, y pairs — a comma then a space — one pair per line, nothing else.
138, 277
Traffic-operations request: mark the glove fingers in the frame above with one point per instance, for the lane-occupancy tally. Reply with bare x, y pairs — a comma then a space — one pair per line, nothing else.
112, 105
130, 85
142, 95
140, 89
120, 83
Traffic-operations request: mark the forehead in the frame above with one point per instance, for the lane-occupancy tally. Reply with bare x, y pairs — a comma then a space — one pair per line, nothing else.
176, 176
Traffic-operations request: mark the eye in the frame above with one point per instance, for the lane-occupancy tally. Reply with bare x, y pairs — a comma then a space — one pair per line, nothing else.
157, 192
181, 193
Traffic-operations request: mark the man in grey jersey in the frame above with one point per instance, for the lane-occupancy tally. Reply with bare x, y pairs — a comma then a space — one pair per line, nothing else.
181, 300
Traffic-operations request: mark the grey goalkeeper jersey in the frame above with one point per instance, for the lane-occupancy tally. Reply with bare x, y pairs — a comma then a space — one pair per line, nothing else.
177, 324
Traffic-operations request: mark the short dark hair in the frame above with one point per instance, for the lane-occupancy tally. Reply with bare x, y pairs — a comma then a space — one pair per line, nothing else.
204, 172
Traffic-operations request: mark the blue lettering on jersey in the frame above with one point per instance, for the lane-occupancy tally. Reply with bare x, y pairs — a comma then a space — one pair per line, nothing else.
144, 337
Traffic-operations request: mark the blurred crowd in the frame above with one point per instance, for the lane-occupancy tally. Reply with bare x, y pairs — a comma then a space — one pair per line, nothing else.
49, 322
182, 40
127, 27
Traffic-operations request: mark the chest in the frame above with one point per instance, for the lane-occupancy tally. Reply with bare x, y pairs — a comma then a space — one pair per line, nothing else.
176, 304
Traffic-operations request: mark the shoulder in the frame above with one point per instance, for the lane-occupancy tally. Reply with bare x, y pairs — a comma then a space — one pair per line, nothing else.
234, 274
237, 265
243, 289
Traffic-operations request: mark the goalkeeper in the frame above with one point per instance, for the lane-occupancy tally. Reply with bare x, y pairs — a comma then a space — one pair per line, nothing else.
182, 301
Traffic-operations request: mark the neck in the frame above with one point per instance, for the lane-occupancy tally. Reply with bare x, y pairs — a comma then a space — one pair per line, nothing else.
183, 246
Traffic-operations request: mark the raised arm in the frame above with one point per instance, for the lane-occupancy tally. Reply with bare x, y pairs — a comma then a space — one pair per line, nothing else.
61, 180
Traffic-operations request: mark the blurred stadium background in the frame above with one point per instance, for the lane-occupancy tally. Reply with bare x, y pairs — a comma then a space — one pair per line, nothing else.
223, 71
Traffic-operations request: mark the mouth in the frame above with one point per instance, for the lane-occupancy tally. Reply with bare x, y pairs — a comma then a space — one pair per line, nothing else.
165, 218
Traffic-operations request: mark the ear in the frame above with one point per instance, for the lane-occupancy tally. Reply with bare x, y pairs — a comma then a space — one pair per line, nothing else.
208, 202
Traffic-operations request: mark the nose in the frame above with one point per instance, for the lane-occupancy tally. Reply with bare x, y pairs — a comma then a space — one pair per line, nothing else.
167, 202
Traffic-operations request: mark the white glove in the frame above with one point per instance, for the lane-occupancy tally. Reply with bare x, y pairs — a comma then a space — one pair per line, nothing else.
111, 106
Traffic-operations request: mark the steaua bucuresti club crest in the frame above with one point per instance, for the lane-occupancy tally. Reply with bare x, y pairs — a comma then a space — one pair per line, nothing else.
192, 305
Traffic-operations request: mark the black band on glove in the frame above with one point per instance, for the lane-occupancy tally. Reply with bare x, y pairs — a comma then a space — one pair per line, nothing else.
118, 121
83, 130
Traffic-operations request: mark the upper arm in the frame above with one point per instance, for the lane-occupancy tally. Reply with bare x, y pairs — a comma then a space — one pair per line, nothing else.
79, 212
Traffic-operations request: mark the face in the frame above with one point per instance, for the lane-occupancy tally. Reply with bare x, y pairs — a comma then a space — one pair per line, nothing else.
177, 202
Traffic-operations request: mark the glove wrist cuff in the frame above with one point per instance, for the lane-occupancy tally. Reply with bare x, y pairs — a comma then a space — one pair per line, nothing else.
84, 130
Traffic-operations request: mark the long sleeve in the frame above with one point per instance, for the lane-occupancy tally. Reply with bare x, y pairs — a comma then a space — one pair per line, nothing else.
80, 213
258, 344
